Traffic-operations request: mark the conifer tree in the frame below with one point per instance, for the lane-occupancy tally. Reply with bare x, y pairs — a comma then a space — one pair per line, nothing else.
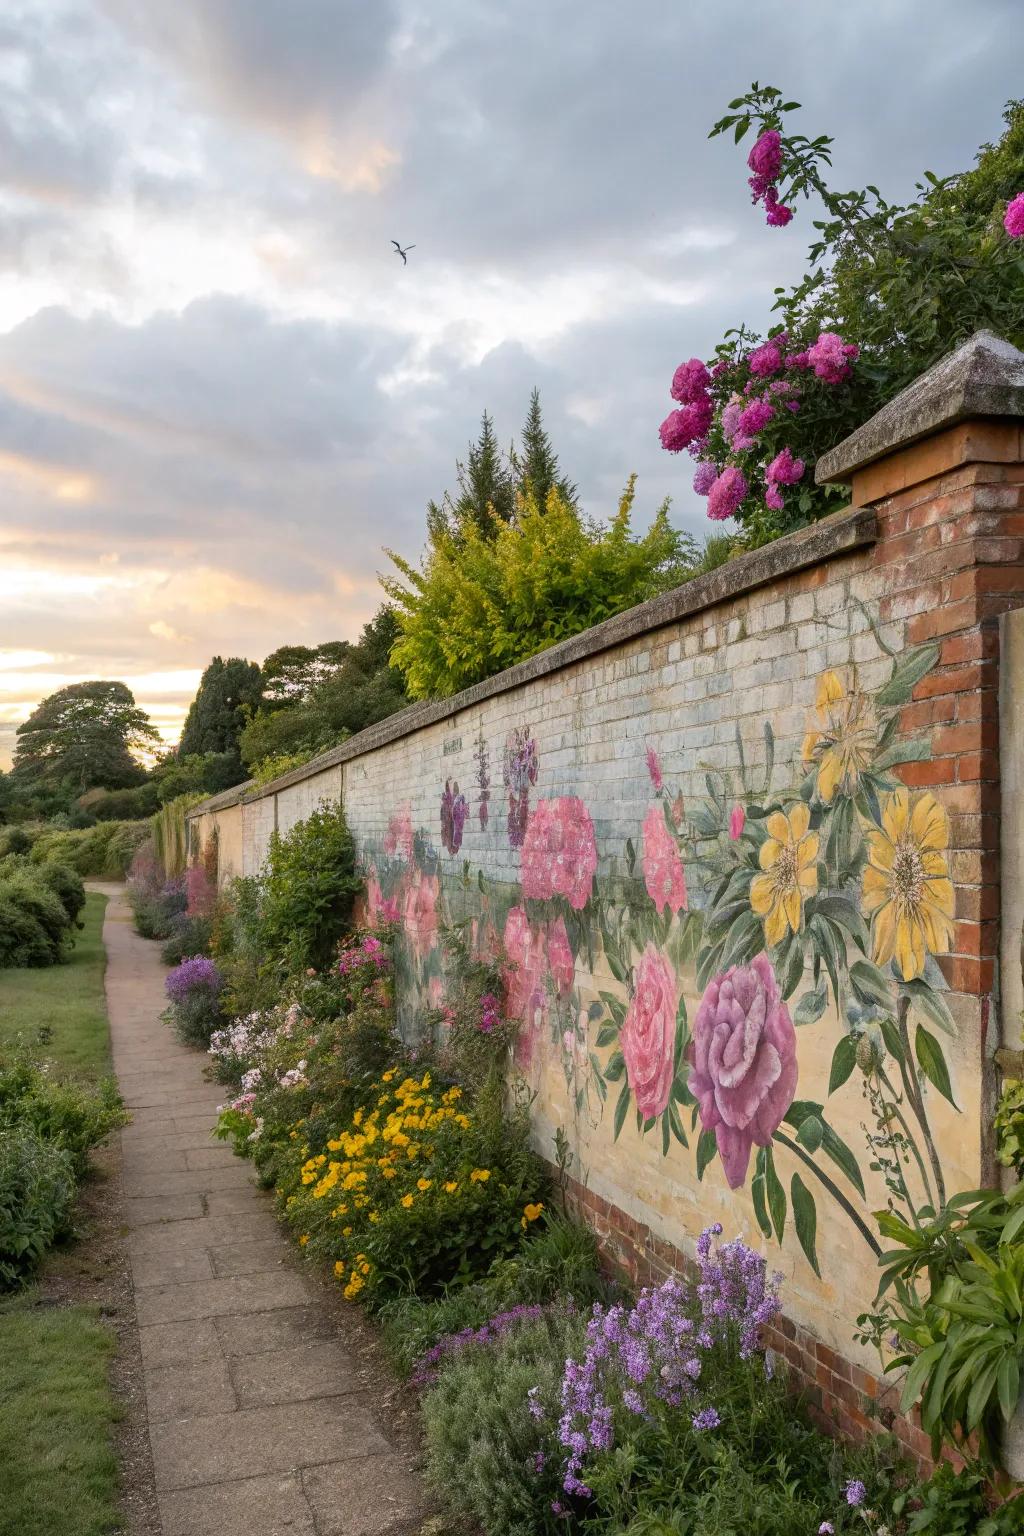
535, 463
486, 490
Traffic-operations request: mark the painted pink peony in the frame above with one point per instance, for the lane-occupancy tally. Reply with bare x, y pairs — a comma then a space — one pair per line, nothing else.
663, 868
398, 837
1013, 219
420, 915
647, 1038
523, 974
560, 957
560, 852
743, 1062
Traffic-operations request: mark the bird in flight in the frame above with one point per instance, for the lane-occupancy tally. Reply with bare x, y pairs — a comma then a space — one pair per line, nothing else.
401, 253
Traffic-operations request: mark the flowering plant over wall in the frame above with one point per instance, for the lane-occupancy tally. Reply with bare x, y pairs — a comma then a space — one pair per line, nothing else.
890, 288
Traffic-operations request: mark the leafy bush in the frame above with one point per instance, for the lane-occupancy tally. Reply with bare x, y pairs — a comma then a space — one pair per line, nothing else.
488, 598
308, 888
37, 1187
104, 851
35, 922
488, 1454
156, 901
65, 1114
67, 885
189, 935
194, 989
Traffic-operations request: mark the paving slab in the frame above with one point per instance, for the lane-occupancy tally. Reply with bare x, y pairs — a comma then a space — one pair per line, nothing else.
317, 1368
190, 1391
232, 1294
213, 1232
191, 1181
169, 1266
257, 1506
213, 1155
179, 1343
154, 1208
277, 1330
367, 1497
251, 1441
237, 1202
248, 1258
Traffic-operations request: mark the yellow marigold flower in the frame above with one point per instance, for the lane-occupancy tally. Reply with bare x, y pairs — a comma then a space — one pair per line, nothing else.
450, 1187
387, 1173
407, 1201
357, 1118
906, 884
293, 1135
480, 1175
339, 1268
334, 1146
424, 1183
346, 1231
843, 744
388, 1075
789, 858
304, 1239
531, 1212
373, 1216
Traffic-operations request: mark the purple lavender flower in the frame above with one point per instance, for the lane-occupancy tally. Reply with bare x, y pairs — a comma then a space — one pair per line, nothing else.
193, 975
451, 1344
708, 1418
855, 1492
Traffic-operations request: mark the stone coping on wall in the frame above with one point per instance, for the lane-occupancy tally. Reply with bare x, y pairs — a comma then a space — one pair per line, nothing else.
839, 534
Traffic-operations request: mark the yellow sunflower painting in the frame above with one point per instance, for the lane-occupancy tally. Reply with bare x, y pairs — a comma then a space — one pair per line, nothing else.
844, 741
907, 889
789, 860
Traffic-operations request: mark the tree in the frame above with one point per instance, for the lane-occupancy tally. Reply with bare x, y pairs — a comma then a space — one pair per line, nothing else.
82, 737
292, 671
486, 490
205, 773
535, 463
229, 691
479, 605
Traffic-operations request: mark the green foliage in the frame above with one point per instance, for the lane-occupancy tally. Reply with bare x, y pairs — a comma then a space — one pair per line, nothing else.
482, 603
35, 928
481, 1438
82, 736
316, 697
229, 691
190, 934
62, 1009
201, 773
156, 908
37, 1188
170, 834
104, 851
121, 804
905, 282
308, 888
956, 1504
60, 1112
67, 885
1009, 1126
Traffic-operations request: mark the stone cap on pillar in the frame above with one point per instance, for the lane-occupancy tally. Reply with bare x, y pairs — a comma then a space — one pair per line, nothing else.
983, 377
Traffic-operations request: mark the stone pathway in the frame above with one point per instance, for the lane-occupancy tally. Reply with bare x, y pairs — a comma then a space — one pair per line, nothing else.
258, 1420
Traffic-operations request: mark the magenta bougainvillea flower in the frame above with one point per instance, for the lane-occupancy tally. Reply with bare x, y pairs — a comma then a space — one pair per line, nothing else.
743, 1059
726, 493
663, 868
765, 159
690, 382
830, 357
560, 852
1013, 220
647, 1038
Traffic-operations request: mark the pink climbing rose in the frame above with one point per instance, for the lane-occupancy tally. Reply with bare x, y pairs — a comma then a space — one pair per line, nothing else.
560, 852
690, 382
1013, 219
726, 493
765, 159
688, 425
663, 868
743, 1061
784, 469
647, 1037
830, 357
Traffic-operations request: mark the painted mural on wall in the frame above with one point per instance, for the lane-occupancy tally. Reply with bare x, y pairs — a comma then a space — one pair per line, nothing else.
773, 907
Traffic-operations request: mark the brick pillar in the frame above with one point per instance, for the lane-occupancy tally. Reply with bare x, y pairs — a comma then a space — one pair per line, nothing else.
942, 466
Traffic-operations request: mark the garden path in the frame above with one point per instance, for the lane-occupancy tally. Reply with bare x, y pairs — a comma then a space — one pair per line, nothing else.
259, 1419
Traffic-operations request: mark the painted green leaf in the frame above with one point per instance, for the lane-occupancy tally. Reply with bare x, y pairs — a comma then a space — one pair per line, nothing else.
842, 911
844, 1059
606, 1035
666, 1135
933, 1063
630, 855
594, 1011
932, 1004
707, 1147
775, 1193
893, 1043
707, 964
907, 673
789, 969
615, 1066
870, 984
811, 1006
805, 1219
599, 1082
769, 752
757, 1194
672, 1114
621, 1107
811, 1133
910, 749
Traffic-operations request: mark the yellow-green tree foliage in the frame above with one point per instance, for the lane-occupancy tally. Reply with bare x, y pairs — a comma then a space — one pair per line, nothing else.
485, 599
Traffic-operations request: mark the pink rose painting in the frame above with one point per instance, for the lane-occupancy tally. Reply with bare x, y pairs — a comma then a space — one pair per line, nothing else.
523, 978
421, 920
398, 837
647, 1038
663, 868
560, 852
560, 958
743, 1060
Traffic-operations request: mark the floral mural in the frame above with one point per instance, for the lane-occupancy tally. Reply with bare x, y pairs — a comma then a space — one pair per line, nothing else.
783, 896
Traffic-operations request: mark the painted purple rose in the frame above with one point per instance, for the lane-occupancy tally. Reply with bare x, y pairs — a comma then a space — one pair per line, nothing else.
743, 1061
454, 810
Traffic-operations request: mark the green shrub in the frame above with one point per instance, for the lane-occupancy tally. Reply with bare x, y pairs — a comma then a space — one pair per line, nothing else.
189, 935
37, 1188
35, 927
65, 1114
102, 852
23, 939
308, 888
67, 885
487, 1455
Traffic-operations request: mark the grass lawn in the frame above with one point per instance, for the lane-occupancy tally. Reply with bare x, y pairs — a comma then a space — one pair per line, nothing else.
65, 999
56, 1418
58, 1468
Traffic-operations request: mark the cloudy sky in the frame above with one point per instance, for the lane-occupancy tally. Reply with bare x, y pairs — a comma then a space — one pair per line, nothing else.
220, 390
